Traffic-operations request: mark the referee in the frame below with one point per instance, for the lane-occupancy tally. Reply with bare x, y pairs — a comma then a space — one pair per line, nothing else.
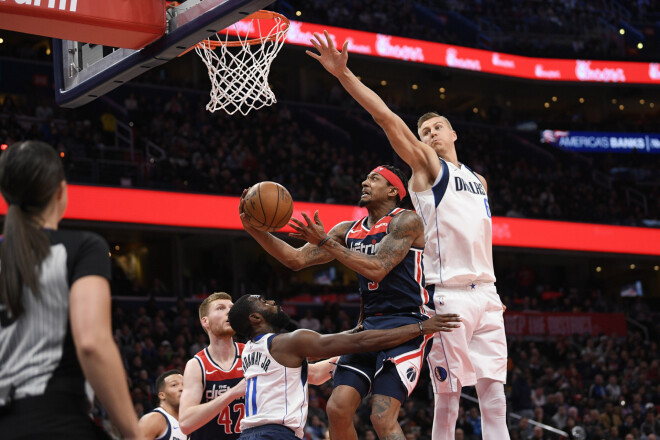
55, 332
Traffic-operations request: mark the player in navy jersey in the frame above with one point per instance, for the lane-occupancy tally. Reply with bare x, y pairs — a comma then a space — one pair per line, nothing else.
55, 331
163, 422
458, 259
385, 249
276, 367
212, 403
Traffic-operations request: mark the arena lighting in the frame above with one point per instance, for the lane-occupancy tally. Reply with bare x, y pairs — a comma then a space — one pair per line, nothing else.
459, 57
221, 212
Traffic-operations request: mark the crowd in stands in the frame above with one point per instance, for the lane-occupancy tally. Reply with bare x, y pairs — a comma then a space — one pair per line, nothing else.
557, 28
315, 156
591, 387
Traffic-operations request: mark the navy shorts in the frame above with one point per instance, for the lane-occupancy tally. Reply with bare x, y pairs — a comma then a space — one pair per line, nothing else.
268, 432
393, 372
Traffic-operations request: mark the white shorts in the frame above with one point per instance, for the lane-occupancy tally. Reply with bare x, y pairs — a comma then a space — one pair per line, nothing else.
475, 350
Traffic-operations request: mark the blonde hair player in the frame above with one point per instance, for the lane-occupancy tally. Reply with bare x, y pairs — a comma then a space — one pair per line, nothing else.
458, 262
213, 399
212, 403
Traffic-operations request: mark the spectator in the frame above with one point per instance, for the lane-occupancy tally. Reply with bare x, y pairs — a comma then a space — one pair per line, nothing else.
559, 419
475, 420
310, 321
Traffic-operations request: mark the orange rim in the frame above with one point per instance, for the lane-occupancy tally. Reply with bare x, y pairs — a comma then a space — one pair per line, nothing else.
282, 27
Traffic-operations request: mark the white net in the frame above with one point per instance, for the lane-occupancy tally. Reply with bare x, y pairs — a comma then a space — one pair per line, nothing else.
239, 68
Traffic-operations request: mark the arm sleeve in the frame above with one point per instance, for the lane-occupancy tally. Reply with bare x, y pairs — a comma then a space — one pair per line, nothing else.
91, 258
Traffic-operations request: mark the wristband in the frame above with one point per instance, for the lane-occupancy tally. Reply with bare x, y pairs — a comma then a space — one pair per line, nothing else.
421, 328
322, 242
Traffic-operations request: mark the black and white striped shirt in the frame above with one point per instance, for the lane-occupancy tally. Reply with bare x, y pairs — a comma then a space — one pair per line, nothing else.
37, 354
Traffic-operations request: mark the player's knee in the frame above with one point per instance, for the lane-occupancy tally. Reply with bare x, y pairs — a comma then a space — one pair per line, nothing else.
338, 413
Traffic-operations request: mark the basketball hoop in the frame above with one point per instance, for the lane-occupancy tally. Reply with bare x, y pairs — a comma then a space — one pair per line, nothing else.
239, 77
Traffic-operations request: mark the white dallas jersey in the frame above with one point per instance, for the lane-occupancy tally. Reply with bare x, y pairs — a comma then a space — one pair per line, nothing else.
275, 394
173, 431
457, 228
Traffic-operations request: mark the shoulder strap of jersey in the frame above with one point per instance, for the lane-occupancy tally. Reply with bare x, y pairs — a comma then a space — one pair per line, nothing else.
198, 357
168, 431
348, 231
470, 170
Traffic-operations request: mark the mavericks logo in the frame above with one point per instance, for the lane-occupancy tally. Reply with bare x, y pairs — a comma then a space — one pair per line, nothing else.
440, 374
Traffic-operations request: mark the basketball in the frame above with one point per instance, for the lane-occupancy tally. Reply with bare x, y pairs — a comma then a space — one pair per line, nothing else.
268, 206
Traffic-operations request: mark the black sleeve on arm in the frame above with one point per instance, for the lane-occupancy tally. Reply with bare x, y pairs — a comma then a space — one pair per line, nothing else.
91, 257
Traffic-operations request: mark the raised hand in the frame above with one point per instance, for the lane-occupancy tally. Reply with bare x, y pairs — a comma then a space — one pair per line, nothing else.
311, 231
441, 323
333, 60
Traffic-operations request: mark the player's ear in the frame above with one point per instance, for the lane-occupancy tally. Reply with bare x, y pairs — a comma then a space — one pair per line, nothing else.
256, 318
161, 395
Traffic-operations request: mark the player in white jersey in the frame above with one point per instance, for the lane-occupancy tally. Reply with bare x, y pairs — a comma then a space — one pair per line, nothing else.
162, 423
452, 201
275, 364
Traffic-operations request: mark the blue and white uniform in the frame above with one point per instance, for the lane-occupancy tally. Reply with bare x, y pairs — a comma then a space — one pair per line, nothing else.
398, 299
173, 432
275, 394
458, 266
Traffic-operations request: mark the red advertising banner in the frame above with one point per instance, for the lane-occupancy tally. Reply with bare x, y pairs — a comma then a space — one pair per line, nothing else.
565, 324
459, 57
150, 207
120, 23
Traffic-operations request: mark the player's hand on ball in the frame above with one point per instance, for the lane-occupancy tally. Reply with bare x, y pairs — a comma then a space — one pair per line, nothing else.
441, 323
242, 214
311, 231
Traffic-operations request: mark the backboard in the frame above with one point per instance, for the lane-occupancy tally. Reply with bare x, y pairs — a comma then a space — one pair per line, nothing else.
84, 71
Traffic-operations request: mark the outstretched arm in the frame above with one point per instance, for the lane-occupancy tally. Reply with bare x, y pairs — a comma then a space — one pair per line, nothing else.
193, 414
405, 229
290, 349
419, 156
320, 372
293, 258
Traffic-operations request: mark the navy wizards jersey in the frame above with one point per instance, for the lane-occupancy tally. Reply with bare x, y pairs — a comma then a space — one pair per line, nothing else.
402, 290
226, 426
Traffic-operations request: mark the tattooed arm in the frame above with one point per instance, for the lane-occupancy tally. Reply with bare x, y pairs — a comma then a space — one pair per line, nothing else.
406, 230
294, 258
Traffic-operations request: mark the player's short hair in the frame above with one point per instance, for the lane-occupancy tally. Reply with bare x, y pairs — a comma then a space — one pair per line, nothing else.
204, 306
160, 381
401, 176
239, 316
430, 115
